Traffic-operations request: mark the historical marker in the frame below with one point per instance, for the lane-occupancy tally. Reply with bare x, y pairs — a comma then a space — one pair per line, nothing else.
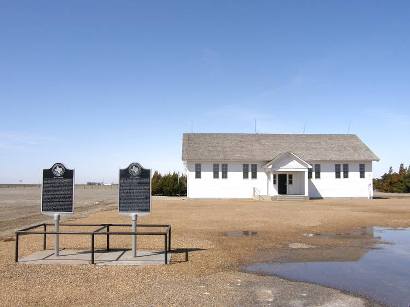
57, 193
135, 189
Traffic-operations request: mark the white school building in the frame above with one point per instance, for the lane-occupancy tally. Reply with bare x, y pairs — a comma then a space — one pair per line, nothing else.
275, 166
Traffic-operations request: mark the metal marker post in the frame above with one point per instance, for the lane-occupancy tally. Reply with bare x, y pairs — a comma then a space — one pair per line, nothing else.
57, 229
134, 237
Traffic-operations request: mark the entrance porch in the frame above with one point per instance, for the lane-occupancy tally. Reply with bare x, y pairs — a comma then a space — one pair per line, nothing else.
287, 177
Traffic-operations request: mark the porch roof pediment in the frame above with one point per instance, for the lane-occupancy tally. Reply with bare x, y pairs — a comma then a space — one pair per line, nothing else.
287, 161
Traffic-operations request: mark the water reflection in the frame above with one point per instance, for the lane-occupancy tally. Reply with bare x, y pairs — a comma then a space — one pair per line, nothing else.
380, 271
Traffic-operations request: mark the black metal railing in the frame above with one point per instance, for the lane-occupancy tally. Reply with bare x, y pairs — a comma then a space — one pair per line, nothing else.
166, 233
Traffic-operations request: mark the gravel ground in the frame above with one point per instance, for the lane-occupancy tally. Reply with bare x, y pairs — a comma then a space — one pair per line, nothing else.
213, 276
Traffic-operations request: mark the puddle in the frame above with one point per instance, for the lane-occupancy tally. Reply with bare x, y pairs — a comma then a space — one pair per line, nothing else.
236, 234
360, 233
381, 273
300, 245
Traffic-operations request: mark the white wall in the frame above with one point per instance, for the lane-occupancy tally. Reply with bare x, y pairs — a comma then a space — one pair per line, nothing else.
298, 186
237, 187
232, 187
330, 186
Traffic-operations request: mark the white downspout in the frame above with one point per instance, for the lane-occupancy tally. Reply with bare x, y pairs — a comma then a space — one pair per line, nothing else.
306, 183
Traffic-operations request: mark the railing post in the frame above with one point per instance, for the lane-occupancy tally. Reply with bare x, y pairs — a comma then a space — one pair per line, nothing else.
57, 235
92, 248
108, 238
166, 249
134, 217
16, 256
169, 238
45, 237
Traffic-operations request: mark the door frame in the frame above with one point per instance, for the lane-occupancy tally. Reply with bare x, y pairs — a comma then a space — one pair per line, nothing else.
285, 177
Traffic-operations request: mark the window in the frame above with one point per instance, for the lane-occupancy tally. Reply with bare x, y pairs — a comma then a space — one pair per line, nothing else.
345, 170
245, 171
197, 170
224, 171
290, 179
254, 171
310, 172
362, 170
317, 171
216, 171
274, 178
337, 170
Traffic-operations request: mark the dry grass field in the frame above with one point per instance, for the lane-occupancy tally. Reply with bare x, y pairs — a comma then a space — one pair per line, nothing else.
213, 274
20, 206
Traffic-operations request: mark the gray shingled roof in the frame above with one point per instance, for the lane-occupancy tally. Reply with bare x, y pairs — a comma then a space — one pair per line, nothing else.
264, 147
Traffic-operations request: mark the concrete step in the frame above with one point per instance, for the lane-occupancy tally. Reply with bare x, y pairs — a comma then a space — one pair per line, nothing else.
290, 197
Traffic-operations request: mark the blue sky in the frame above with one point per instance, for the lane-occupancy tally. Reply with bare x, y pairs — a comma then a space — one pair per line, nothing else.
98, 84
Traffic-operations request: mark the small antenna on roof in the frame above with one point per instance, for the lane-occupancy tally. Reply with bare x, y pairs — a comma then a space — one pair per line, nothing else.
255, 125
192, 126
348, 127
304, 128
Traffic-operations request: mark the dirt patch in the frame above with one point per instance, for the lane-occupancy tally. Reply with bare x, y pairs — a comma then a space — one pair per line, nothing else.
240, 233
10, 239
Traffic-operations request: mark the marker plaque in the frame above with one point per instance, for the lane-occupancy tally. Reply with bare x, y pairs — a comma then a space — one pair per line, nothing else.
57, 192
134, 189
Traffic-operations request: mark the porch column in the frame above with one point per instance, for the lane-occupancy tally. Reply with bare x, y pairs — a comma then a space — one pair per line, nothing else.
306, 183
267, 182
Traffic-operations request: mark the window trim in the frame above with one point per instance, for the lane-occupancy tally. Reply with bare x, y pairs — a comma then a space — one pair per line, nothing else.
245, 173
362, 172
224, 172
198, 170
254, 172
338, 171
215, 170
345, 170
317, 171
